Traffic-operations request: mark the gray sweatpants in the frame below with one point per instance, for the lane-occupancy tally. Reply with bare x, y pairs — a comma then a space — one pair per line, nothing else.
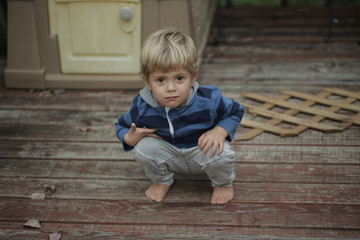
160, 160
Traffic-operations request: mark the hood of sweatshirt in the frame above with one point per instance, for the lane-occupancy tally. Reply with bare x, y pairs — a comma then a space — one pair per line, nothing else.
149, 98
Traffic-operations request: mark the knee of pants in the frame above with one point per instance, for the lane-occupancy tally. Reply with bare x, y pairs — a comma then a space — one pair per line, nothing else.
157, 173
223, 166
146, 146
156, 170
154, 148
152, 153
227, 157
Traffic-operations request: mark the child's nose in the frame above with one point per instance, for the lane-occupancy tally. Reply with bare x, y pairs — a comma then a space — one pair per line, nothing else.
171, 86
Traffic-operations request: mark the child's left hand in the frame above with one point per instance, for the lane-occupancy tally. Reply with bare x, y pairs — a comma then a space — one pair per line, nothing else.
215, 138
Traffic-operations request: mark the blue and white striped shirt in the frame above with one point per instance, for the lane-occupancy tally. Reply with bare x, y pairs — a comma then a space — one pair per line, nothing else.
183, 126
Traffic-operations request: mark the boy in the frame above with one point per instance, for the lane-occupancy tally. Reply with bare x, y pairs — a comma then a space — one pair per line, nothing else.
175, 126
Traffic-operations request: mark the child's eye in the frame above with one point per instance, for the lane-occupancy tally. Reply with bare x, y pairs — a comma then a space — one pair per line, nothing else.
160, 80
180, 78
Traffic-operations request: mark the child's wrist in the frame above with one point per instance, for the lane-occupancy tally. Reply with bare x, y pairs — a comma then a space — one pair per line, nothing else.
127, 140
222, 131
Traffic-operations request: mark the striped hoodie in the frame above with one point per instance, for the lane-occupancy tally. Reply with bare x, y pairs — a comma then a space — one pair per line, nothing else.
204, 109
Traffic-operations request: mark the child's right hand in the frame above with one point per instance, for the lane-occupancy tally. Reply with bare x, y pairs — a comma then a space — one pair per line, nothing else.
136, 134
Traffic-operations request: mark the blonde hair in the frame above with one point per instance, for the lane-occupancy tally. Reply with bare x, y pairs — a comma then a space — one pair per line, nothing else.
168, 49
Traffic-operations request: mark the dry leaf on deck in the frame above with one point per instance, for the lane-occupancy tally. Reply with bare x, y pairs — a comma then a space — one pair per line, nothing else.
107, 94
55, 236
84, 128
33, 223
38, 196
50, 188
58, 91
247, 39
320, 70
45, 93
323, 70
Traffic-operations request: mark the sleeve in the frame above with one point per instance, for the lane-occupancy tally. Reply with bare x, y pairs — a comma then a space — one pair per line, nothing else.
123, 124
229, 114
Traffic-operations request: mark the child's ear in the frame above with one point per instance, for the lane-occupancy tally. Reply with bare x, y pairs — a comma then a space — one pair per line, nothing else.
195, 76
146, 80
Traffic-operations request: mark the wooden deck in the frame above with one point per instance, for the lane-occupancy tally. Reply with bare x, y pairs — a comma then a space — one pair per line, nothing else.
304, 187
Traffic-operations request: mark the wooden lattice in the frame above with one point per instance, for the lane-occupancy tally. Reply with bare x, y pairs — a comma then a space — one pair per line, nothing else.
341, 111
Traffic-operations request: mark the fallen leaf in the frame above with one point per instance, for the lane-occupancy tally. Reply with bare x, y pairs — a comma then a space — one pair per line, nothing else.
84, 128
38, 196
107, 94
247, 39
33, 223
254, 70
320, 70
323, 70
50, 188
55, 236
45, 93
58, 91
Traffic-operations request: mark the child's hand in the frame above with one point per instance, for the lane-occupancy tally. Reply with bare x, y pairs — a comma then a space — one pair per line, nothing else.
215, 138
136, 134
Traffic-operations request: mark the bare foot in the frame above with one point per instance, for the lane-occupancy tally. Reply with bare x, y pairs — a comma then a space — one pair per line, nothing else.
157, 191
222, 195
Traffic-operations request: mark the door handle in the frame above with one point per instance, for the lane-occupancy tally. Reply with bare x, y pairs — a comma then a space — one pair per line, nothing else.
126, 13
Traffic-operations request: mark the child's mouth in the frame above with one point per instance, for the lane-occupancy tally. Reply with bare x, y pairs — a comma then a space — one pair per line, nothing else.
171, 98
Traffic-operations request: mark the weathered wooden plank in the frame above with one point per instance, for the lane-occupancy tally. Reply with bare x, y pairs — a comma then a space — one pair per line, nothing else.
262, 32
290, 12
67, 133
262, 85
81, 95
316, 29
70, 133
284, 21
271, 215
300, 49
295, 72
263, 153
317, 154
81, 231
350, 136
246, 172
182, 191
88, 169
58, 117
233, 38
241, 78
272, 52
79, 103
63, 150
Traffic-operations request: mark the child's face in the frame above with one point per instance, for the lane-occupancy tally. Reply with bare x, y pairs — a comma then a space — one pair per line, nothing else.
172, 88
